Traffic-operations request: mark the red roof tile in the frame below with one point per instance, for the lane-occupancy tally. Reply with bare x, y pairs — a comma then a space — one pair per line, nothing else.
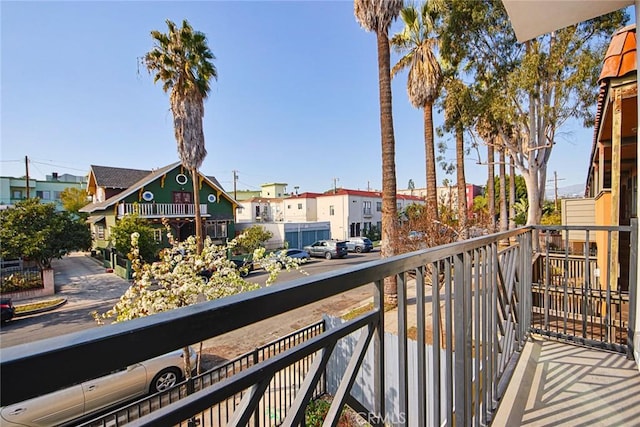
620, 58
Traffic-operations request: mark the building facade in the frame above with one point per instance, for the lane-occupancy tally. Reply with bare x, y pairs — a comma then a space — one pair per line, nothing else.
13, 190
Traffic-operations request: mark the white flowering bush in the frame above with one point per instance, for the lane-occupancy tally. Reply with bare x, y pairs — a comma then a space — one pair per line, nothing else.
182, 277
178, 279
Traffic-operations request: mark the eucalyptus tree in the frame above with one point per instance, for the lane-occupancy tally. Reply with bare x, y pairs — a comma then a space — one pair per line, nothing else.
502, 170
533, 88
182, 61
376, 16
417, 44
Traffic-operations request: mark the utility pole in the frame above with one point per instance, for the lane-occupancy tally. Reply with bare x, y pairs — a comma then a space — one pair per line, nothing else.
26, 165
555, 184
235, 181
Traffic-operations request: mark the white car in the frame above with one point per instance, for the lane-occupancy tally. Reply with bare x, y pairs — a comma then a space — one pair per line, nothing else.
151, 376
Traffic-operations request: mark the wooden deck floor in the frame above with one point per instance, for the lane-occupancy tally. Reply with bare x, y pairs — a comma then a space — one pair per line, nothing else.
558, 384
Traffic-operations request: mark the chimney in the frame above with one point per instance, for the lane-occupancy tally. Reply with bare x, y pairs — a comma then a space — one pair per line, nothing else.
54, 176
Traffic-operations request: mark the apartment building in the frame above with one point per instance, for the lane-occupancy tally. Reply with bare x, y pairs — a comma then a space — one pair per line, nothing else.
13, 189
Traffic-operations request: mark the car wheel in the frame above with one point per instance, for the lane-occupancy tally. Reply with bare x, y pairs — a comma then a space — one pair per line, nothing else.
165, 379
358, 249
327, 255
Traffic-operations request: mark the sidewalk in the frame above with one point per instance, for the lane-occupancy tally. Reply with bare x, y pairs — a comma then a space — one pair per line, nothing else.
82, 281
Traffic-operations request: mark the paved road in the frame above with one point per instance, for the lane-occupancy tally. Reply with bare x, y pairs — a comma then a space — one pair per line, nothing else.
87, 288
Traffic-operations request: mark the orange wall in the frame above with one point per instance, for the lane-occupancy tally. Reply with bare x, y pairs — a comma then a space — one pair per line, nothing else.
603, 217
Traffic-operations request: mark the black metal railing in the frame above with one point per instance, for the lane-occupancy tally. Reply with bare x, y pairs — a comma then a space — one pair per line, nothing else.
572, 296
474, 298
278, 396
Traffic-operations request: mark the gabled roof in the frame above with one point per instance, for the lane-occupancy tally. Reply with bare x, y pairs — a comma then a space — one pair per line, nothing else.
119, 176
110, 177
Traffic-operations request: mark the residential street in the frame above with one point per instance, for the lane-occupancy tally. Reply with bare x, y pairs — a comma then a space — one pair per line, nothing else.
87, 288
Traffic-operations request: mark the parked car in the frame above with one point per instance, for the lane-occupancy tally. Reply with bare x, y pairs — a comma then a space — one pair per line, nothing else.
359, 244
7, 310
80, 400
296, 253
327, 249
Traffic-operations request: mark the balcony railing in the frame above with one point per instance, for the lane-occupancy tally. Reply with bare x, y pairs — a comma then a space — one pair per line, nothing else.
160, 210
474, 297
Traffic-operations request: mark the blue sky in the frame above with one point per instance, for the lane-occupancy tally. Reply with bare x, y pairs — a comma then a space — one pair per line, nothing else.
296, 100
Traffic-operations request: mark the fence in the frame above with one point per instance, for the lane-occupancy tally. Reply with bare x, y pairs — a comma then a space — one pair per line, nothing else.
278, 395
572, 301
480, 314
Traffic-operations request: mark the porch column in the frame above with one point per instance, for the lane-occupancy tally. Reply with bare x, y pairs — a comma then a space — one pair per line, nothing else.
616, 143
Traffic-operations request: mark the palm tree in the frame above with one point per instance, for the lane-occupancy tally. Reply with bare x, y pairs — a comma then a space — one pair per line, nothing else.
182, 61
417, 43
377, 16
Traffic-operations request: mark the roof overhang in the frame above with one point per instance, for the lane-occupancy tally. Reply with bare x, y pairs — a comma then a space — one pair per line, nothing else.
95, 218
532, 18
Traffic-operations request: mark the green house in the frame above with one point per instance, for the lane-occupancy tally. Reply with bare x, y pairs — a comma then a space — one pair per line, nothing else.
165, 193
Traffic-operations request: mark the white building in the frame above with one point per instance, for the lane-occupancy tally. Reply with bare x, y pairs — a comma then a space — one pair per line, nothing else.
355, 212
349, 213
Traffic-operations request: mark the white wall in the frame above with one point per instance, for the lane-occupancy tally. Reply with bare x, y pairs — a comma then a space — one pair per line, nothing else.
300, 209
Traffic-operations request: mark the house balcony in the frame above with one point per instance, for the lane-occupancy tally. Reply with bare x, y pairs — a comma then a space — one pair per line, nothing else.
487, 331
160, 210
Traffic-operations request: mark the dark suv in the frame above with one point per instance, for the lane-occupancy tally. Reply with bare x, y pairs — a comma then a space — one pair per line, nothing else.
327, 249
359, 244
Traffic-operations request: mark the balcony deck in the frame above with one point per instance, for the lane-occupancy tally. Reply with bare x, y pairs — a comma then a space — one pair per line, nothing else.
559, 384
464, 355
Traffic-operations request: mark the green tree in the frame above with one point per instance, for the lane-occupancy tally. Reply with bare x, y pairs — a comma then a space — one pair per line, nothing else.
377, 16
182, 61
37, 231
73, 199
121, 236
417, 43
253, 238
530, 89
458, 108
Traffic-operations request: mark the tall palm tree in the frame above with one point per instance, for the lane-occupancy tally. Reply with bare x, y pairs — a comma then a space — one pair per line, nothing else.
417, 43
182, 61
377, 16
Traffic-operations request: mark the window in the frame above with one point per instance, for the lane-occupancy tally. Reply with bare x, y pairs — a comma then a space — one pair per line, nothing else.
44, 195
332, 210
399, 206
299, 206
216, 229
366, 208
378, 206
100, 232
182, 197
221, 229
17, 194
56, 195
257, 211
157, 235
